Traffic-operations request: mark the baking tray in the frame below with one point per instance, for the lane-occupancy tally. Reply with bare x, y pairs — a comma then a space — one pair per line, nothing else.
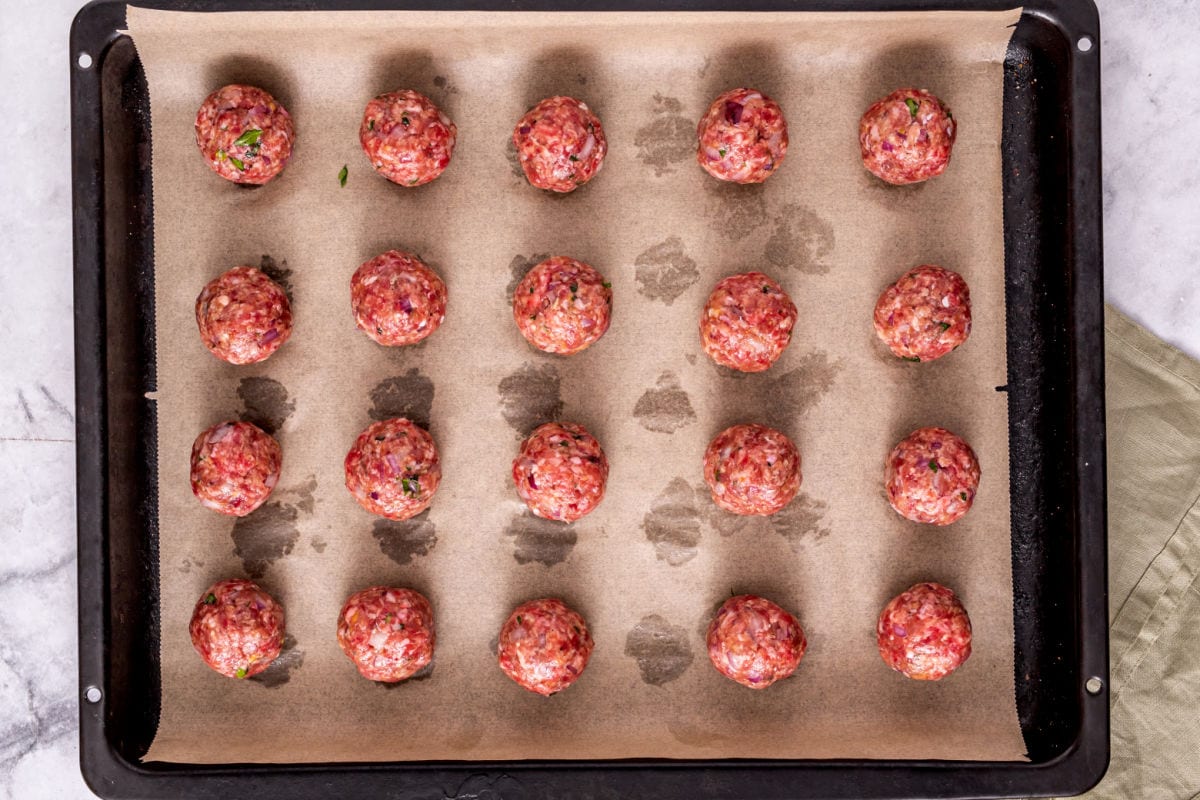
1055, 389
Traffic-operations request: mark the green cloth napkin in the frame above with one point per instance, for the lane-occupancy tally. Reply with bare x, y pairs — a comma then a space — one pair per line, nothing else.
1153, 400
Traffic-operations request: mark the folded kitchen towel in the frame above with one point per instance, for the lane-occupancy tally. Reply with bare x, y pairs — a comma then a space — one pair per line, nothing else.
1153, 401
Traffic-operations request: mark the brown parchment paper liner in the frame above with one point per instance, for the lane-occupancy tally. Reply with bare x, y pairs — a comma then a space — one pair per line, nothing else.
650, 565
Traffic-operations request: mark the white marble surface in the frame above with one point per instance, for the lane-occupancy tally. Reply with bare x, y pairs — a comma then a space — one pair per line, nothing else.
1152, 244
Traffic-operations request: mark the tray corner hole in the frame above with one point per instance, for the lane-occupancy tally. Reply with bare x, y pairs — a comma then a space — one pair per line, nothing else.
84, 60
92, 694
1084, 43
1094, 686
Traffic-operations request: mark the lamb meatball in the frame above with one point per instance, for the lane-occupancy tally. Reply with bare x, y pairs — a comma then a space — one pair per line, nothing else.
407, 138
562, 306
397, 300
907, 136
755, 642
244, 134
560, 472
931, 476
925, 314
742, 137
924, 633
237, 628
747, 322
560, 144
235, 465
393, 469
387, 633
544, 646
243, 316
752, 470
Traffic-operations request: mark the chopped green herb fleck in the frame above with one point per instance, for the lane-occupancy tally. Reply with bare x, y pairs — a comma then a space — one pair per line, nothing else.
577, 437
410, 486
913, 106
945, 326
574, 158
249, 138
380, 438
237, 162
766, 290
533, 316
378, 330
576, 627
387, 619
241, 673
606, 285
518, 619
371, 124
916, 359
221, 156
721, 152
211, 599
404, 121
412, 182
401, 626
574, 288
933, 465
962, 496
343, 174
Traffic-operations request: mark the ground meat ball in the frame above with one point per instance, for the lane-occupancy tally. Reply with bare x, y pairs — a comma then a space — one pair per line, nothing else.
235, 465
747, 322
243, 134
243, 316
393, 469
907, 136
397, 300
407, 138
932, 476
924, 633
544, 646
743, 137
755, 642
387, 633
562, 305
237, 628
752, 469
560, 144
560, 472
925, 314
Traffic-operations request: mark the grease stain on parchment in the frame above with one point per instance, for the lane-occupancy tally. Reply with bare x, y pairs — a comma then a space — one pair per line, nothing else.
800, 522
318, 544
665, 271
409, 395
404, 540
668, 139
662, 650
265, 535
186, 565
734, 210
530, 396
290, 658
665, 408
802, 387
672, 524
266, 403
800, 240
518, 267
278, 271
513, 159
545, 541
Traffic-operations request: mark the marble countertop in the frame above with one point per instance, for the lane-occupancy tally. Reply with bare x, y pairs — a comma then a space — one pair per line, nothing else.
1151, 245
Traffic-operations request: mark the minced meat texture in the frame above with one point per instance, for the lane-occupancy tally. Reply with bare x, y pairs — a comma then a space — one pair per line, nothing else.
235, 465
560, 144
924, 632
397, 300
907, 137
243, 316
244, 135
743, 137
747, 322
754, 642
925, 314
560, 472
752, 470
544, 646
931, 476
393, 469
237, 628
562, 306
388, 633
407, 138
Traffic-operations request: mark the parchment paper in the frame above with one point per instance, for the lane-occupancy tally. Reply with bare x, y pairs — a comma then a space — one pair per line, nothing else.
650, 565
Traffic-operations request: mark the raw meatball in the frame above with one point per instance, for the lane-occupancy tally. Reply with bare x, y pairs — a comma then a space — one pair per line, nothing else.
544, 646
560, 144
560, 472
752, 470
931, 476
235, 465
743, 137
925, 314
243, 316
387, 633
407, 138
393, 470
747, 322
562, 305
243, 134
397, 300
237, 628
924, 632
907, 136
755, 642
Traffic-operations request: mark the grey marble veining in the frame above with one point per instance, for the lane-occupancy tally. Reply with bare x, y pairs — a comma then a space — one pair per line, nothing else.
1152, 243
